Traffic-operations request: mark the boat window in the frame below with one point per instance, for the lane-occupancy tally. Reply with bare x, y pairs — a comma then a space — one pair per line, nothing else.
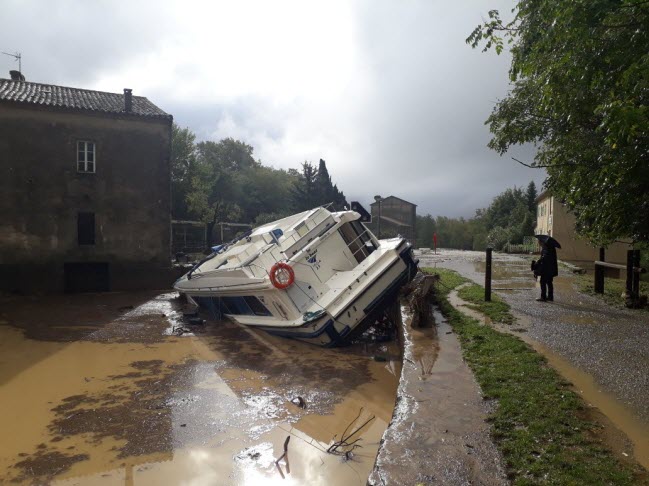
247, 306
256, 306
358, 240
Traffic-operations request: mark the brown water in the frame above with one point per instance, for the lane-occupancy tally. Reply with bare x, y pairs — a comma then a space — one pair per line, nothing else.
98, 390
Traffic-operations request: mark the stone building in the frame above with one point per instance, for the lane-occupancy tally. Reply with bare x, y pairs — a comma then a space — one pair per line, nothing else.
552, 218
84, 189
397, 217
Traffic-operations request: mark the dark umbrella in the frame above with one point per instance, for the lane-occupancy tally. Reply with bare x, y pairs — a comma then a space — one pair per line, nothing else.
548, 240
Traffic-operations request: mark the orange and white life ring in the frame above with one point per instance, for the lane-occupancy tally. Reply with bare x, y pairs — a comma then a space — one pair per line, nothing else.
282, 275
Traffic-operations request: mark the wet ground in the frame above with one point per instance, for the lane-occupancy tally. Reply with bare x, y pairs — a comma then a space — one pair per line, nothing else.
603, 351
97, 389
439, 433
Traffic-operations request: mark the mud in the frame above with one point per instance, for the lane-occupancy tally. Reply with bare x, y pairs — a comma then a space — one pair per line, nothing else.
600, 349
438, 433
102, 392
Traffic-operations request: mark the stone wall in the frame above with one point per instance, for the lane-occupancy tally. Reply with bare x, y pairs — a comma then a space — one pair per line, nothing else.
41, 194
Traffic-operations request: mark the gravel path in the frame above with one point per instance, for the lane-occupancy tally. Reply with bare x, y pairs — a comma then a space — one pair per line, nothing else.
608, 343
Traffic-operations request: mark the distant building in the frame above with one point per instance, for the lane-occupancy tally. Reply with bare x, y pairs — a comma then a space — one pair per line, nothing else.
84, 189
552, 218
398, 217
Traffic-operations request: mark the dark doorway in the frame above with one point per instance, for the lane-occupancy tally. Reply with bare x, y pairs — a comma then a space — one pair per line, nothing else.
86, 277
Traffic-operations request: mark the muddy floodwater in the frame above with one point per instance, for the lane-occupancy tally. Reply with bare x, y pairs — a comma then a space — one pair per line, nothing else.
97, 389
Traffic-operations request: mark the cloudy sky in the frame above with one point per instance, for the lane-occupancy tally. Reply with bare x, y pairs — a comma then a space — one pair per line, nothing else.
386, 91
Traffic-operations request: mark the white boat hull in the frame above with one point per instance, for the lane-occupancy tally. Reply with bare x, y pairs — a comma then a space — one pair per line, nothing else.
342, 283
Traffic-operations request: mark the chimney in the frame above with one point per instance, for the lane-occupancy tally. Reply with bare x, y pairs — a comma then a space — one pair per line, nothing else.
16, 75
128, 100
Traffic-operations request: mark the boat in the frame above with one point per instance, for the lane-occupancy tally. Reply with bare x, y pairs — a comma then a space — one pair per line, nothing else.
317, 276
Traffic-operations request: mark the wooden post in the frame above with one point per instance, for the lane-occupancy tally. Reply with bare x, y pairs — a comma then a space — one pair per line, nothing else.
636, 275
629, 273
487, 277
599, 273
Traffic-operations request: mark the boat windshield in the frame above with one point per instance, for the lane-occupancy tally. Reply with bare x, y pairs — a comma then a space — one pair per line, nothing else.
358, 240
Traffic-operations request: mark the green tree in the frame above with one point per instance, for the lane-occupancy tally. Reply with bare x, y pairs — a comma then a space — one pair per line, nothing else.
327, 192
183, 168
213, 194
426, 227
530, 197
580, 76
306, 193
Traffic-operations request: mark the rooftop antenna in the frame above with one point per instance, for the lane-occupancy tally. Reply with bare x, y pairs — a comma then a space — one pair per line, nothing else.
18, 58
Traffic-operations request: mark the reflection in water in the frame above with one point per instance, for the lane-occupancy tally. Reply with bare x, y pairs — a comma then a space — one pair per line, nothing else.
125, 401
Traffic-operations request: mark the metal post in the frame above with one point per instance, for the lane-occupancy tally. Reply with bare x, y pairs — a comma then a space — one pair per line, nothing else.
599, 273
487, 277
379, 223
636, 275
629, 273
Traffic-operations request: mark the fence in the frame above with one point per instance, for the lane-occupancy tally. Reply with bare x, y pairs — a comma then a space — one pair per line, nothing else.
530, 245
188, 236
633, 271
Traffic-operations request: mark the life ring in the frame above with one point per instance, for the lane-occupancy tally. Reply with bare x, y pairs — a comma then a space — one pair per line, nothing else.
282, 275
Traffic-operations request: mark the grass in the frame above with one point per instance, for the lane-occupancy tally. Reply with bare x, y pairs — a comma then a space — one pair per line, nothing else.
497, 310
539, 423
613, 289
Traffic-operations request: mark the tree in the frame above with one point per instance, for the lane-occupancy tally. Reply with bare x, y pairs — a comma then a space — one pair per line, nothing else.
324, 187
183, 168
328, 192
305, 193
426, 227
213, 194
580, 75
530, 197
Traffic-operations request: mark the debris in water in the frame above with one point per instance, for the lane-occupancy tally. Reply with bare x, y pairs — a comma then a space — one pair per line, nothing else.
299, 401
417, 294
285, 457
344, 440
179, 330
196, 321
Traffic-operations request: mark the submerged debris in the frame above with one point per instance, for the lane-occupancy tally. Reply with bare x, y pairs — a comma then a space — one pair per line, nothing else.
299, 401
285, 457
418, 296
344, 439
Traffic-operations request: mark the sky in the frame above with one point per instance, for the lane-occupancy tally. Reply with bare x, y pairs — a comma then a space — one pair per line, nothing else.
387, 92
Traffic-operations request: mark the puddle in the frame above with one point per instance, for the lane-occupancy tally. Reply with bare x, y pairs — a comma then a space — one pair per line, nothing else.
108, 395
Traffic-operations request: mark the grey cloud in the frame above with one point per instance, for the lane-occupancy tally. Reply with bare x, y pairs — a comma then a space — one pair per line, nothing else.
417, 131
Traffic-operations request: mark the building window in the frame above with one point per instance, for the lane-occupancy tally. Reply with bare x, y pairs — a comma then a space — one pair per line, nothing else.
86, 228
86, 156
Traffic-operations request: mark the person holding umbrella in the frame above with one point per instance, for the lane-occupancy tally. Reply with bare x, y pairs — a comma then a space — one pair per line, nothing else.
547, 267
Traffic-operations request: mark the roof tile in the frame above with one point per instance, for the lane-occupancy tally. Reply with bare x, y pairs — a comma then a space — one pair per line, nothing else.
75, 99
